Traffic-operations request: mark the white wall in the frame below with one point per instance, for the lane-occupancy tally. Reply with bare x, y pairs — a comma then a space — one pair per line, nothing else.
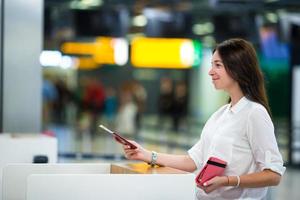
21, 27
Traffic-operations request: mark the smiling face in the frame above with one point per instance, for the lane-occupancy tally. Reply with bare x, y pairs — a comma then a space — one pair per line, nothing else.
220, 77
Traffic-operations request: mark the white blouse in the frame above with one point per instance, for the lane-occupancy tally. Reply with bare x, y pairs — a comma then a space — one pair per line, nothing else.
243, 136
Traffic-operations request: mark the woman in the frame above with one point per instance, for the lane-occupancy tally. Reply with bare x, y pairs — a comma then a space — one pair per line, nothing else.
240, 133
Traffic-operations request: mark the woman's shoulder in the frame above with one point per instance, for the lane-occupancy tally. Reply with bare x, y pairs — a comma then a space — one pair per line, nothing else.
256, 106
257, 109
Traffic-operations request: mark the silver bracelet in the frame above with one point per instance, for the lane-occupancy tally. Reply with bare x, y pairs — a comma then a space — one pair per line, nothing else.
153, 158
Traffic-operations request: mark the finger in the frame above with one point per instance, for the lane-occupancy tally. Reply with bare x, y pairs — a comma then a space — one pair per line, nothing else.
205, 190
207, 183
132, 154
129, 151
209, 189
127, 147
129, 155
200, 186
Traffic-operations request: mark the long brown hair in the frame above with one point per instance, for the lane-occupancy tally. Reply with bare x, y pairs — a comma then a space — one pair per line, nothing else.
241, 63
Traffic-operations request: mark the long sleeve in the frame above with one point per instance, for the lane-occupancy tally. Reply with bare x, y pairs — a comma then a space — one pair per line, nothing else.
260, 132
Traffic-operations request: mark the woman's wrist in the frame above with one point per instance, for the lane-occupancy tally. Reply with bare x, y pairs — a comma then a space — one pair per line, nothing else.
225, 181
147, 156
234, 181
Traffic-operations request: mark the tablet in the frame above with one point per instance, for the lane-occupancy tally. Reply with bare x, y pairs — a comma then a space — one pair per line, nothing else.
118, 137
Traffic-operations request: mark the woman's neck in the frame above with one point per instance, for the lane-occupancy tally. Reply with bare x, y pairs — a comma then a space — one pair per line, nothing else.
235, 95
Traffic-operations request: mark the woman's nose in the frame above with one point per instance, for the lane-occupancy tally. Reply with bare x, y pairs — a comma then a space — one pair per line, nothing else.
211, 72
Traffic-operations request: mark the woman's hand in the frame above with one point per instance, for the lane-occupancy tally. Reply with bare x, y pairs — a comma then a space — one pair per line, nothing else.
214, 183
137, 154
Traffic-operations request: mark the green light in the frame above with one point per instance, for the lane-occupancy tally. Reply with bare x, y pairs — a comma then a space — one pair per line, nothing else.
197, 53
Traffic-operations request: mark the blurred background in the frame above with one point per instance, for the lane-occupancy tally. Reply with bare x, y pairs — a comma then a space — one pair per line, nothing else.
141, 69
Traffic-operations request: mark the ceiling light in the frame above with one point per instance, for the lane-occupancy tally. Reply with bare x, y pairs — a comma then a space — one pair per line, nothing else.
139, 20
272, 17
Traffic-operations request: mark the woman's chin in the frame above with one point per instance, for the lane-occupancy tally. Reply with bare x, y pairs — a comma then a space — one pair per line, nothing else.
217, 87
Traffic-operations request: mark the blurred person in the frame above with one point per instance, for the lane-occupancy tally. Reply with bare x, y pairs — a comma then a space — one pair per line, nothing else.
64, 96
179, 105
49, 93
139, 97
83, 121
110, 106
125, 121
165, 101
93, 102
240, 132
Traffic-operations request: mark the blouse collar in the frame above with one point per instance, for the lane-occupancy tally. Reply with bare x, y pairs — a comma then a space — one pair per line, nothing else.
239, 105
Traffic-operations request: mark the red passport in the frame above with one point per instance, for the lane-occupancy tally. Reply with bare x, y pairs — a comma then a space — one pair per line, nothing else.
214, 167
118, 137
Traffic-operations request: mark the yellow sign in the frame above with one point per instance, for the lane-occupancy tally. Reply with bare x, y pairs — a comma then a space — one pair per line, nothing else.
162, 53
105, 50
81, 48
86, 63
